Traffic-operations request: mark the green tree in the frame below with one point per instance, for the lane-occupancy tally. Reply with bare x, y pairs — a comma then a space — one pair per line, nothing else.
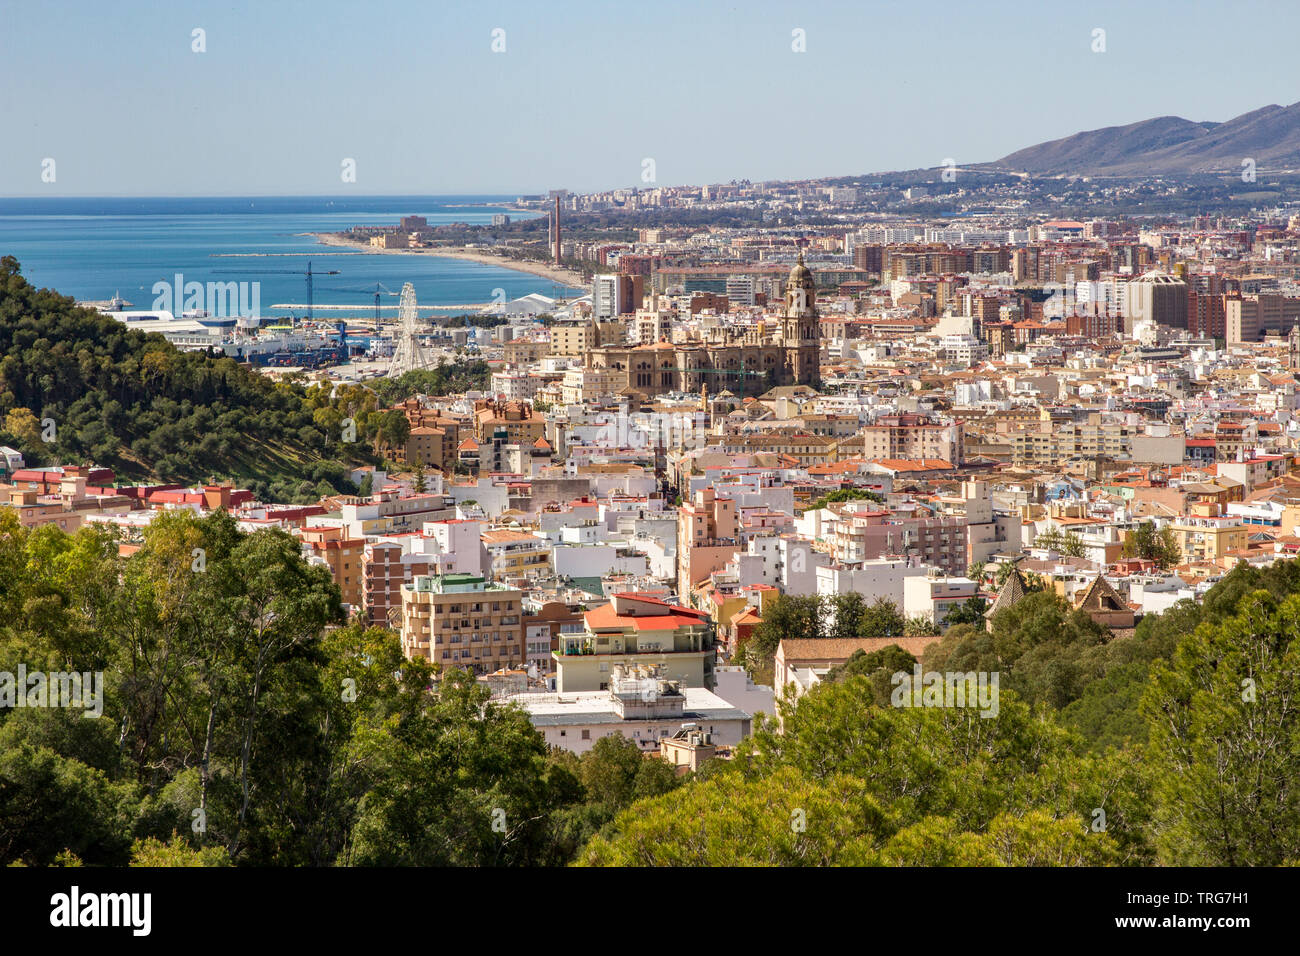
787, 617
1147, 543
970, 611
152, 852
614, 772
1225, 739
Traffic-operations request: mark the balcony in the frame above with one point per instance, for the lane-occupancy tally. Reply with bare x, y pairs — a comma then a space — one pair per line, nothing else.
577, 647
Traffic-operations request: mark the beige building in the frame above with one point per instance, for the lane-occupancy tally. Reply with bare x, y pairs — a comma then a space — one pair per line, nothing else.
707, 529
341, 555
582, 385
459, 620
578, 338
1248, 317
907, 436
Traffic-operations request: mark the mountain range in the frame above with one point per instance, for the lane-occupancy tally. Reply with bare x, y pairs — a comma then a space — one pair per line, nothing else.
1169, 145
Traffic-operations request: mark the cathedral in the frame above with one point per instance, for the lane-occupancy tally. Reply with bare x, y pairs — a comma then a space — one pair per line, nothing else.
746, 362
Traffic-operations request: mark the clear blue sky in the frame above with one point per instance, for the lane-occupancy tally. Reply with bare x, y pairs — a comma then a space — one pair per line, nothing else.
585, 91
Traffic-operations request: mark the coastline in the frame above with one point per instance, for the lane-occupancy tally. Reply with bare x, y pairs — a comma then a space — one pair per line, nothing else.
565, 277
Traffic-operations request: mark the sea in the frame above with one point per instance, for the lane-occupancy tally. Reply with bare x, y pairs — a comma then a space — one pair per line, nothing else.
94, 249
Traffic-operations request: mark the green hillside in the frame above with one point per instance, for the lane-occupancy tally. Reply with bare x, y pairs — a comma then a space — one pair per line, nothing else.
132, 402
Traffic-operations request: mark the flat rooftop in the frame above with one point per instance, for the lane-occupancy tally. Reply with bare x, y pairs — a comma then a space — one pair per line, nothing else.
597, 706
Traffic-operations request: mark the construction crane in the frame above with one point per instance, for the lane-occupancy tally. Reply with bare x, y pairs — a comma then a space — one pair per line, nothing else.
728, 372
283, 272
379, 290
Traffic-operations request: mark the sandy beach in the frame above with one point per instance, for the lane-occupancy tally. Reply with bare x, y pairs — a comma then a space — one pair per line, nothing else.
565, 277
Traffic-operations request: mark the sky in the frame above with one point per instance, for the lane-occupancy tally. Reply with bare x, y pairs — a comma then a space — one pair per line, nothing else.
285, 92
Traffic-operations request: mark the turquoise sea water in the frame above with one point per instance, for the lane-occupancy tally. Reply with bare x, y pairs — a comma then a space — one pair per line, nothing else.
93, 248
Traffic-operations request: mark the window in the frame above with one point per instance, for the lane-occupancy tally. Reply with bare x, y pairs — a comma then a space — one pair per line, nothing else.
586, 735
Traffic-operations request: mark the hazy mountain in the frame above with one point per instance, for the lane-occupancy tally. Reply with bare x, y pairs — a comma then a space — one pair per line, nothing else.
1169, 145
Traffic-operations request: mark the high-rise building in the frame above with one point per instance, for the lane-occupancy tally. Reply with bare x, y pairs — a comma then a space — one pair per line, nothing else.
615, 294
1159, 298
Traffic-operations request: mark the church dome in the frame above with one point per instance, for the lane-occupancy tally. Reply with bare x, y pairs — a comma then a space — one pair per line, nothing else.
800, 276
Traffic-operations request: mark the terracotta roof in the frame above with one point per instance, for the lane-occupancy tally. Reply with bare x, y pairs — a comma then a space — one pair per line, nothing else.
605, 617
812, 649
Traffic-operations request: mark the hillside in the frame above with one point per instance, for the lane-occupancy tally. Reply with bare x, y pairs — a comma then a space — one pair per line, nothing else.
1169, 145
134, 403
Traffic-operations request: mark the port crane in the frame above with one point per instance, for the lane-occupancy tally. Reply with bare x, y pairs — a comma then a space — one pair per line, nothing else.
378, 291
284, 272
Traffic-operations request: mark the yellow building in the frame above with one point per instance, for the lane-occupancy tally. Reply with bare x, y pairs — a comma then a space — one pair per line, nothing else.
1205, 534
516, 555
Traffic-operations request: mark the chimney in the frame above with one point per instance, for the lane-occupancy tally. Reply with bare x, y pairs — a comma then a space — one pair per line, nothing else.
557, 230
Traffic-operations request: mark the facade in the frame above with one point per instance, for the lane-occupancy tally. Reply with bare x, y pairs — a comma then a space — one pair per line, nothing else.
636, 630
459, 620
1207, 534
707, 536
745, 360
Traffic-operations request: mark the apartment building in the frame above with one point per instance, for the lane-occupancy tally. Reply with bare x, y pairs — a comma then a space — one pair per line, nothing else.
581, 385
385, 567
385, 513
637, 630
707, 536
517, 419
515, 555
938, 541
341, 555
910, 437
460, 620
1206, 533
1248, 317
936, 595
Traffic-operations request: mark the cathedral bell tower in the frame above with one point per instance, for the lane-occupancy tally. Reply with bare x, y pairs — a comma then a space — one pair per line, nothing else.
801, 329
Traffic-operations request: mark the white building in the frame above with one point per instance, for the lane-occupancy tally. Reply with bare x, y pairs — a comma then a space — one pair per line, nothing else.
934, 596
643, 709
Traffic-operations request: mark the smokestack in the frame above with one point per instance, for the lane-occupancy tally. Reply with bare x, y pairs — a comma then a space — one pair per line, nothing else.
557, 230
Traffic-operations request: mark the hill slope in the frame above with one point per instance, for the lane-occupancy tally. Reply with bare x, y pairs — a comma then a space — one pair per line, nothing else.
134, 403
1169, 145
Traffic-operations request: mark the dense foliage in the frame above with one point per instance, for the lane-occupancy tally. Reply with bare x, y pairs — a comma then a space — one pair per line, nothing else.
1178, 745
816, 616
243, 722
1160, 546
443, 379
77, 386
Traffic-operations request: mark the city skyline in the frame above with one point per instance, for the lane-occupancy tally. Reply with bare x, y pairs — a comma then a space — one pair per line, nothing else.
278, 100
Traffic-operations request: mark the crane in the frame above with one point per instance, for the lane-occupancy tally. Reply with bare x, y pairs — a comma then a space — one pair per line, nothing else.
284, 272
728, 372
378, 290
